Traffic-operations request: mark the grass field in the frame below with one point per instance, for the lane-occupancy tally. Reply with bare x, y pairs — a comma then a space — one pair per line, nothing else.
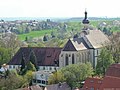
34, 34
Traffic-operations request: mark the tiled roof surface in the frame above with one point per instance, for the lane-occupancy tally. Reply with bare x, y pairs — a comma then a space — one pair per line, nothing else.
88, 39
45, 56
97, 38
110, 83
113, 70
92, 82
63, 86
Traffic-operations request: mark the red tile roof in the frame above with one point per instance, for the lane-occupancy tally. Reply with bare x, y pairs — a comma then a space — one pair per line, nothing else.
110, 83
93, 82
62, 86
45, 55
113, 70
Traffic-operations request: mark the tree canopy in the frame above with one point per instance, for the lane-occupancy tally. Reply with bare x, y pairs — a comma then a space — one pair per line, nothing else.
72, 74
105, 59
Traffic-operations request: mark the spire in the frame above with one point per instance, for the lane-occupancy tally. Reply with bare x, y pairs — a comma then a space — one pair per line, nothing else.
85, 21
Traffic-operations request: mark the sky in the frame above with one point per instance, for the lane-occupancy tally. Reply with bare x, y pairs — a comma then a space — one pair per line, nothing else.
59, 8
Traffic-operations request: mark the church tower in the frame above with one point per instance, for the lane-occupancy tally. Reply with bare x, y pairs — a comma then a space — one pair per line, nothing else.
85, 22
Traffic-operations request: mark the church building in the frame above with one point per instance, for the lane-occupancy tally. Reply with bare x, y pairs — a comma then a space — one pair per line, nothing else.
83, 48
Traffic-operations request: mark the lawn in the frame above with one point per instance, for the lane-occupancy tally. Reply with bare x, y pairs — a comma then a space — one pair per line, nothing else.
34, 34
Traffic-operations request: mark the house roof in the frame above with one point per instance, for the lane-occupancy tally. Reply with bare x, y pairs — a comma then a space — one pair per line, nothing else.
62, 86
75, 44
97, 38
45, 56
93, 82
35, 87
111, 83
88, 39
113, 70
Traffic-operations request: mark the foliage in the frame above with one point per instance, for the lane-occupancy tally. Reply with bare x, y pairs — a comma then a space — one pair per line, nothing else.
33, 59
22, 63
13, 81
56, 77
105, 59
73, 74
4, 55
30, 66
114, 46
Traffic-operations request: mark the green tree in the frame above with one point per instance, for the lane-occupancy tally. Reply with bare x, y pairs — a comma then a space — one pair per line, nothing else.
105, 59
4, 55
33, 59
23, 63
56, 77
73, 74
30, 66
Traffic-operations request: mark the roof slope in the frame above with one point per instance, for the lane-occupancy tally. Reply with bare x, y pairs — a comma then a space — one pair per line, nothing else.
97, 38
92, 82
61, 86
75, 44
110, 83
113, 70
44, 55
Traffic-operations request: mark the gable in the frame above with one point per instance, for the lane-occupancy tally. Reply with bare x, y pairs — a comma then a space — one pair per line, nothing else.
69, 46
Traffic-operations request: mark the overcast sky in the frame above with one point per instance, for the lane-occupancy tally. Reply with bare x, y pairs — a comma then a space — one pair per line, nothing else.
59, 8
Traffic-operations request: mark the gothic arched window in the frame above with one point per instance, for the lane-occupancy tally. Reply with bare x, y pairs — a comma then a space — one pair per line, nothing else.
66, 59
73, 59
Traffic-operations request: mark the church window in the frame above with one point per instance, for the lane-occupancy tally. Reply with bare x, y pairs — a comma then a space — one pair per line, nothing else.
73, 59
66, 59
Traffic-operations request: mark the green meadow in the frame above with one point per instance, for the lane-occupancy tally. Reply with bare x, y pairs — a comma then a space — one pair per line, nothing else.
34, 34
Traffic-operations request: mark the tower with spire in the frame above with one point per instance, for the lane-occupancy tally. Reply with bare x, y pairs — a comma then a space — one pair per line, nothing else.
85, 21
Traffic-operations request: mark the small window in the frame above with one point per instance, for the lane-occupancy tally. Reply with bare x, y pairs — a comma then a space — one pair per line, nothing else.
91, 81
38, 81
10, 66
43, 68
50, 68
66, 59
61, 55
99, 81
43, 82
34, 80
73, 60
13, 66
92, 88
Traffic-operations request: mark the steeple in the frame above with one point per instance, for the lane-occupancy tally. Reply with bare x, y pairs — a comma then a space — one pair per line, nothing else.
85, 21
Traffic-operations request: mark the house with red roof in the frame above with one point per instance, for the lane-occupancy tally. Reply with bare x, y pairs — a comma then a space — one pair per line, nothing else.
92, 83
111, 80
